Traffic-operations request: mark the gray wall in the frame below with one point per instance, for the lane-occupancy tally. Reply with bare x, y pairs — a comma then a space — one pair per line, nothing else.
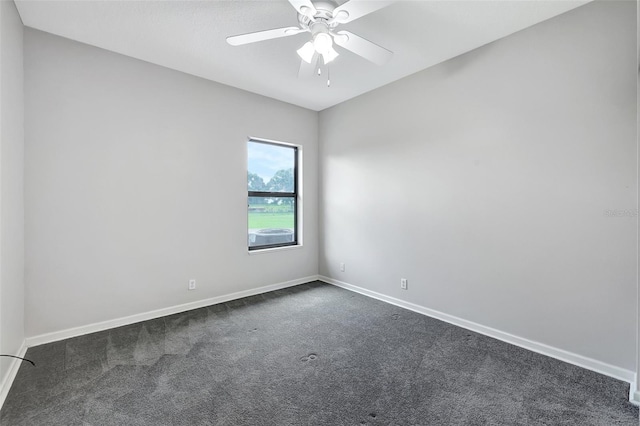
11, 185
485, 180
135, 180
636, 395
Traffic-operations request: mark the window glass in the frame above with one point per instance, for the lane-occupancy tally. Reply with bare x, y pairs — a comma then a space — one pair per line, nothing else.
272, 195
270, 167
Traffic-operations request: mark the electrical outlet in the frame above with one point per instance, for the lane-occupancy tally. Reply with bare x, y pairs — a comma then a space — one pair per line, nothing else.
403, 283
342, 267
192, 284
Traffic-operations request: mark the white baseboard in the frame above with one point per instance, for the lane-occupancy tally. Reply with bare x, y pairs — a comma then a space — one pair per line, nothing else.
11, 374
118, 322
566, 356
634, 394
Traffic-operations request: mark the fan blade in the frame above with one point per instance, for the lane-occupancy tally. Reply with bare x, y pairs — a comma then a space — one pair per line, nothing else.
304, 7
354, 9
360, 46
263, 35
308, 69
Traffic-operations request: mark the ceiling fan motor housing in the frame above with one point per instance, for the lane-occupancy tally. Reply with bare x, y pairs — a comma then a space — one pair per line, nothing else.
318, 27
324, 14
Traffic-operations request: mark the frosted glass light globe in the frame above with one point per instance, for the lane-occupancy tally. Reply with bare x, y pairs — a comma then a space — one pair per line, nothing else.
322, 43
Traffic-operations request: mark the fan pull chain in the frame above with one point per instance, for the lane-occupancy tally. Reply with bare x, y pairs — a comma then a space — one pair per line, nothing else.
328, 77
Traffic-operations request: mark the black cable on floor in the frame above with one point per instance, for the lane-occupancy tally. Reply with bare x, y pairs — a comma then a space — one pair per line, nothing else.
24, 359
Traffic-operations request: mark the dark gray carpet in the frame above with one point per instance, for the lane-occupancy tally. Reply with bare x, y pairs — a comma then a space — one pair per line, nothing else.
309, 355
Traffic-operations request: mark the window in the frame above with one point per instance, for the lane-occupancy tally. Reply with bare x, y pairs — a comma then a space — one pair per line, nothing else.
272, 183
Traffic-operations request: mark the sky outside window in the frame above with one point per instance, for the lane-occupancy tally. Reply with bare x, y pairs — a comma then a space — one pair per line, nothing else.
266, 160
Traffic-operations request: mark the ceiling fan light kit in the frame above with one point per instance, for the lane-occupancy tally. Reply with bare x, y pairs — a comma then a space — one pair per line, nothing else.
321, 18
306, 52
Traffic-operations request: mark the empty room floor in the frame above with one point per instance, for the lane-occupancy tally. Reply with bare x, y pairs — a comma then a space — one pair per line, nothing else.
313, 354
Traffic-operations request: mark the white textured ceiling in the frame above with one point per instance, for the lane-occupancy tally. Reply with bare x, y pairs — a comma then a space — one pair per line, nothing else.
189, 36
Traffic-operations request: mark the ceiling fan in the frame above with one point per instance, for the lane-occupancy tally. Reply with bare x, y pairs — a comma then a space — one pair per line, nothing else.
321, 18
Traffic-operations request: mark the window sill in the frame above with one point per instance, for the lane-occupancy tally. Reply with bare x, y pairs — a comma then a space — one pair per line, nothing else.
274, 249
